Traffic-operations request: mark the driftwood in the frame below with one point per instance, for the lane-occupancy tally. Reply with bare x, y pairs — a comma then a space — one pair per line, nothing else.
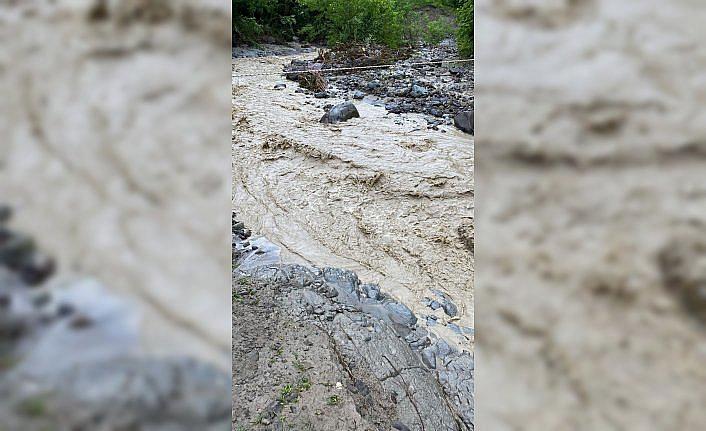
314, 81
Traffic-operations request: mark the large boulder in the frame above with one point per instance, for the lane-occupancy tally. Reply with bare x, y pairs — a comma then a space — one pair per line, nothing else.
341, 112
464, 121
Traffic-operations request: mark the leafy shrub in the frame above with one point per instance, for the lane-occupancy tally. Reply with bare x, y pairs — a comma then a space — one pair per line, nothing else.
246, 29
253, 19
437, 30
359, 20
465, 29
389, 22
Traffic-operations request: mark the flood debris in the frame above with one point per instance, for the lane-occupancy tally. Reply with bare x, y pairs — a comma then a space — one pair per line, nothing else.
19, 253
422, 81
313, 81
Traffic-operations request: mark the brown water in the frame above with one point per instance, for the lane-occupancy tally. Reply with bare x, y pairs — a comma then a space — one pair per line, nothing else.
113, 156
590, 165
380, 195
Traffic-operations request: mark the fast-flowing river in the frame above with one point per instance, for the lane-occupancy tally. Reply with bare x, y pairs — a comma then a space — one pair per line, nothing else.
380, 195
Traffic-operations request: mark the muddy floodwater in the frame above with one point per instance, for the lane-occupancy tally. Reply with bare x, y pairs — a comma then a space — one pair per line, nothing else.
381, 195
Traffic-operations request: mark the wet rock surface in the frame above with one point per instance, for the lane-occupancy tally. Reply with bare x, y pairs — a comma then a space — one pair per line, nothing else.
341, 112
121, 393
70, 358
464, 121
441, 90
317, 348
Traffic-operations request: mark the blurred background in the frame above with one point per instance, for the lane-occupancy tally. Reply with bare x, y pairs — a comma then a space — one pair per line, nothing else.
114, 207
590, 214
591, 204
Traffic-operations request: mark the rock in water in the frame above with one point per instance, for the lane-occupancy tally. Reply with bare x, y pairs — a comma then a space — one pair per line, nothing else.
683, 264
418, 91
341, 112
5, 213
464, 121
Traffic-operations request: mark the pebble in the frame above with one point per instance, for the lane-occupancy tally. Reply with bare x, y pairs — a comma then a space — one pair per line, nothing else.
65, 310
81, 322
400, 313
418, 91
446, 303
5, 213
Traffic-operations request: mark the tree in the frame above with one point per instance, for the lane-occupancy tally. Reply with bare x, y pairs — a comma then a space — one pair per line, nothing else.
465, 29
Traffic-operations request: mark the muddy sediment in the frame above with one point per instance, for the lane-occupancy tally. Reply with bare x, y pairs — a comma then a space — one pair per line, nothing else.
591, 182
381, 195
114, 154
352, 293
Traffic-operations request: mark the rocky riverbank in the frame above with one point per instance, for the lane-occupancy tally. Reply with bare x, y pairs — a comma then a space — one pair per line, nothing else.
70, 356
423, 81
316, 348
267, 49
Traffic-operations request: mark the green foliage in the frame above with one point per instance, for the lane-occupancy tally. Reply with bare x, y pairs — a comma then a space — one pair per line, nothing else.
32, 407
246, 29
253, 19
286, 390
359, 20
441, 4
304, 384
437, 30
465, 29
389, 22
